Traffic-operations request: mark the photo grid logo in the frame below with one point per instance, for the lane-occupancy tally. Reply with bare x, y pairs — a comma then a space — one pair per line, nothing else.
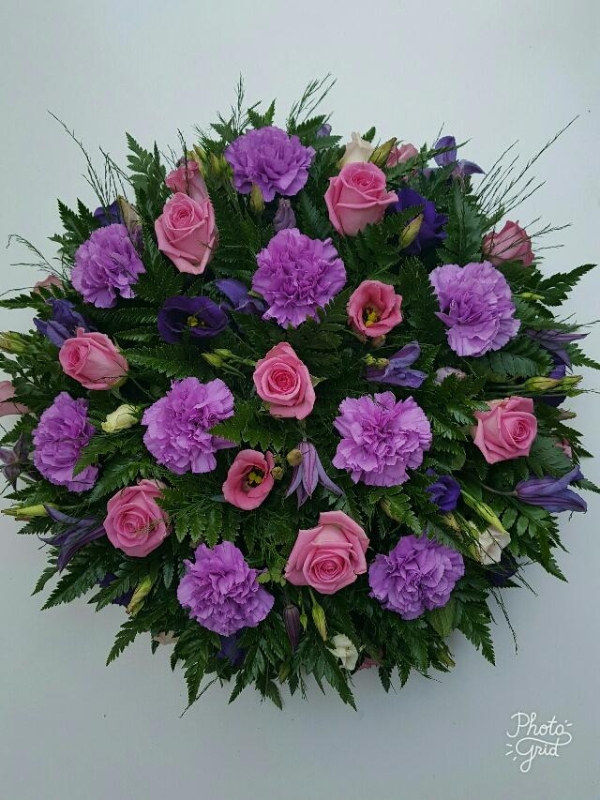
529, 739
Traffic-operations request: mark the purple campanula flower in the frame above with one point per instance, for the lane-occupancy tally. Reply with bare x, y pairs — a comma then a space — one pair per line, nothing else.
291, 620
15, 461
270, 159
78, 533
444, 492
231, 650
199, 317
63, 323
308, 474
123, 599
324, 130
431, 231
552, 493
463, 168
555, 342
284, 216
237, 294
397, 372
419, 574
110, 215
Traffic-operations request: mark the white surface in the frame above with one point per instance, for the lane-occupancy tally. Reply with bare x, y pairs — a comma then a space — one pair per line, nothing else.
491, 71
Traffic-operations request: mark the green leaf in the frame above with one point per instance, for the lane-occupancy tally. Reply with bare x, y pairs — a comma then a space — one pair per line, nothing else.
126, 636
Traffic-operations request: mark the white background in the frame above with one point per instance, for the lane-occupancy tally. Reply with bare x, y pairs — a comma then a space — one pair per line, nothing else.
489, 71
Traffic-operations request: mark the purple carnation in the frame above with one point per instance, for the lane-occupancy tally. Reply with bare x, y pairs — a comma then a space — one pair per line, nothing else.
270, 159
382, 438
178, 425
61, 434
222, 592
296, 275
105, 265
418, 574
476, 304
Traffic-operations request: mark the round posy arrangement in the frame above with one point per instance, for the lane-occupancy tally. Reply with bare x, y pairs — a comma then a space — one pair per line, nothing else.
297, 405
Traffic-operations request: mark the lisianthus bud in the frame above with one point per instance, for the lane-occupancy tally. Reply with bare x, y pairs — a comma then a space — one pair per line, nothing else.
291, 620
539, 383
294, 457
12, 342
137, 600
378, 341
277, 473
570, 382
257, 201
27, 512
123, 417
213, 359
318, 616
410, 233
484, 511
380, 155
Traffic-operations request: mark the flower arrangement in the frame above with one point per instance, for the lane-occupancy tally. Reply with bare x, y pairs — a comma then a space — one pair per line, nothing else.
297, 406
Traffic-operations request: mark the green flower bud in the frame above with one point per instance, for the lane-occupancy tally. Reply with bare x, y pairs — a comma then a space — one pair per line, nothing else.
410, 233
213, 359
12, 342
294, 457
318, 616
380, 155
277, 473
484, 511
139, 596
540, 384
257, 201
27, 512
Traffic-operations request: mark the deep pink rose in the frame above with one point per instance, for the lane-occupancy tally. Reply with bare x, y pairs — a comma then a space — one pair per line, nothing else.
93, 361
512, 243
186, 232
401, 154
48, 283
188, 179
135, 523
249, 479
374, 308
357, 197
329, 556
7, 391
283, 381
507, 430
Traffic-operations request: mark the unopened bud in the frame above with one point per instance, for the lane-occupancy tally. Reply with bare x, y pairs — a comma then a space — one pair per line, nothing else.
484, 511
213, 359
380, 155
139, 596
378, 341
291, 620
539, 384
410, 233
27, 512
294, 457
277, 473
123, 417
257, 201
318, 615
12, 342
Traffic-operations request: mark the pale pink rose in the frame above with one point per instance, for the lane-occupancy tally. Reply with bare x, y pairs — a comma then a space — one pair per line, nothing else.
357, 197
92, 360
401, 154
507, 430
249, 479
565, 446
7, 390
186, 232
329, 556
135, 523
283, 381
188, 179
512, 243
374, 309
48, 283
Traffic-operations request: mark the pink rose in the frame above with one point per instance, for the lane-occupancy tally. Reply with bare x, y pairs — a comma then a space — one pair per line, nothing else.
249, 479
93, 361
507, 430
135, 523
7, 390
511, 244
48, 283
329, 556
357, 197
401, 154
283, 381
374, 308
188, 179
187, 232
